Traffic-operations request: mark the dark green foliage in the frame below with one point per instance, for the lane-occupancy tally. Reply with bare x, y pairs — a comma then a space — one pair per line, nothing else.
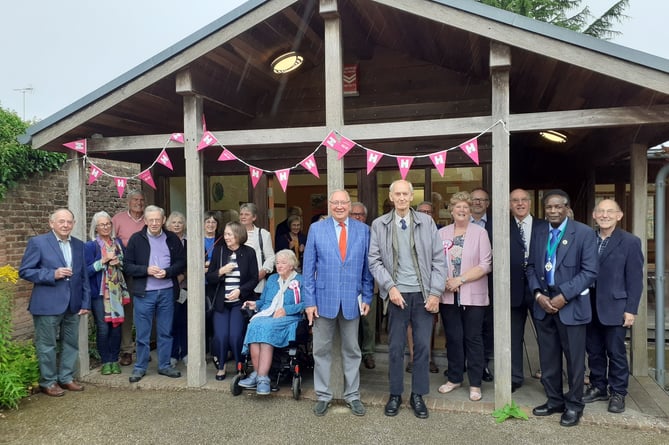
567, 14
19, 162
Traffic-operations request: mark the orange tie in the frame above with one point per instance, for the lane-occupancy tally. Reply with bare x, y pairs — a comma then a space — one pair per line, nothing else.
342, 241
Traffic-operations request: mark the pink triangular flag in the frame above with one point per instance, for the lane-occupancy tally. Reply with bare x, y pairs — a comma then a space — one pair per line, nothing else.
471, 147
227, 156
120, 185
256, 173
177, 137
163, 159
94, 174
146, 177
79, 145
373, 158
439, 161
310, 164
404, 163
282, 176
208, 139
338, 143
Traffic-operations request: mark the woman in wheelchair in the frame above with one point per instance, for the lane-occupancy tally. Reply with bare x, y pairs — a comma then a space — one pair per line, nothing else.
278, 312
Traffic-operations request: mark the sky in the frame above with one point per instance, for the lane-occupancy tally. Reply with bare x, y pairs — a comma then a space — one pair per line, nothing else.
54, 53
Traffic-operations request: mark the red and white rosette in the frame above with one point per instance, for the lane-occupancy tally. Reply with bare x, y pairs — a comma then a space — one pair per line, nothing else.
448, 243
295, 286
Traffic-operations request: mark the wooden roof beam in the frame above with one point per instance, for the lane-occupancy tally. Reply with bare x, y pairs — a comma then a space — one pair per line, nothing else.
190, 82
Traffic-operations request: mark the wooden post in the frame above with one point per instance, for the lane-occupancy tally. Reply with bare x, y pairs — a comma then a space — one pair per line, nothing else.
76, 202
639, 190
197, 372
500, 65
334, 120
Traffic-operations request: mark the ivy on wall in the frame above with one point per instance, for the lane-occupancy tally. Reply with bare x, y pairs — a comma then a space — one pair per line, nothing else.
17, 161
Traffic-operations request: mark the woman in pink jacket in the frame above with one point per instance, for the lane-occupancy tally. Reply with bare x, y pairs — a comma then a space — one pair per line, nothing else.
462, 306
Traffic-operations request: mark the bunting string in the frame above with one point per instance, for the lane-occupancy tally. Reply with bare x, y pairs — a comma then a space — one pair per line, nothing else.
334, 141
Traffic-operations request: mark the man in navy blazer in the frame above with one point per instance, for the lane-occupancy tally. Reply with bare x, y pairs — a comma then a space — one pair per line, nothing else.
561, 268
54, 263
521, 296
615, 301
338, 289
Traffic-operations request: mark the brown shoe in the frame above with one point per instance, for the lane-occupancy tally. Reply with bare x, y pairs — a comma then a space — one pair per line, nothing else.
369, 362
126, 359
53, 390
72, 386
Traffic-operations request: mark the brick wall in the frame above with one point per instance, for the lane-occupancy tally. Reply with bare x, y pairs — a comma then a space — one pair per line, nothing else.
25, 212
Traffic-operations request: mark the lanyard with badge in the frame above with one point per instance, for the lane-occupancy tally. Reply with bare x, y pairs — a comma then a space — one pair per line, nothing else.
551, 248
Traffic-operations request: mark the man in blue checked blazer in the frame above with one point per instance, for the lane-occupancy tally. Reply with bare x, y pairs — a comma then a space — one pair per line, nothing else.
337, 289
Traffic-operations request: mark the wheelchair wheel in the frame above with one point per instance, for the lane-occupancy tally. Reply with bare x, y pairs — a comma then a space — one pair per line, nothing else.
235, 389
297, 387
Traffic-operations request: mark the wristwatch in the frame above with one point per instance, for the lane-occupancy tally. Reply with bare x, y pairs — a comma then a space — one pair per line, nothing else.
463, 280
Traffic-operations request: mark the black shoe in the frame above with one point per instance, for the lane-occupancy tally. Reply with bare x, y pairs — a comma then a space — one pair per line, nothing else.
136, 376
321, 407
570, 417
545, 410
170, 372
487, 375
617, 403
393, 406
515, 386
593, 394
418, 405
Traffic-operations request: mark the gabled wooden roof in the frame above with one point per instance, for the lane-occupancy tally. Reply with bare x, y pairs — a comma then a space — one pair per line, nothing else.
419, 60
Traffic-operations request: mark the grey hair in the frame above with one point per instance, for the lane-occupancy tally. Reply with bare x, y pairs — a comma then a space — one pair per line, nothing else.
251, 207
289, 255
176, 215
359, 204
94, 223
392, 185
153, 208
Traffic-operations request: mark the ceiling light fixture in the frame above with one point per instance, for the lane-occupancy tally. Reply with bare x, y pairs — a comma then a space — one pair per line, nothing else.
287, 62
554, 136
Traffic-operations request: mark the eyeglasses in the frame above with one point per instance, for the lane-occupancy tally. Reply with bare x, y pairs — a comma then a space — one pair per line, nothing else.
427, 212
339, 203
357, 214
104, 225
480, 200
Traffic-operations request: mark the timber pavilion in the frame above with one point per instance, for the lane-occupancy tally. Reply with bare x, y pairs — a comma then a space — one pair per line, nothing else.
421, 76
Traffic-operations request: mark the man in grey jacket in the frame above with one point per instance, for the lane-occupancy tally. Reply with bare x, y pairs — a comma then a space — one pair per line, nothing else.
407, 260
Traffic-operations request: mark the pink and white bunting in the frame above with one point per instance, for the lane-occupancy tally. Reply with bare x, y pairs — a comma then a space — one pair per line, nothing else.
146, 177
439, 161
177, 137
208, 139
404, 163
334, 141
338, 143
282, 176
79, 146
163, 159
255, 173
309, 163
227, 156
471, 148
121, 183
94, 174
373, 158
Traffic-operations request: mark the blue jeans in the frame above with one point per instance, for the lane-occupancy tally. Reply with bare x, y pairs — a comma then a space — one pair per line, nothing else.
180, 331
158, 303
46, 331
108, 337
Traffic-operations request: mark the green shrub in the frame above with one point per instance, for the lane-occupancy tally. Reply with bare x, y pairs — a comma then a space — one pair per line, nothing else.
19, 371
